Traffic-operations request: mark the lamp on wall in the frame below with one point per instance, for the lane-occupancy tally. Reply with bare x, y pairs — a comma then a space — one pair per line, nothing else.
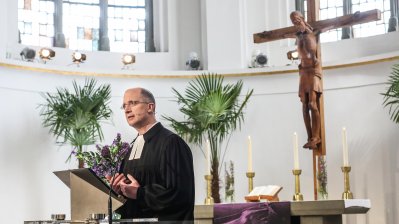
78, 57
259, 59
293, 56
28, 54
46, 54
193, 62
128, 59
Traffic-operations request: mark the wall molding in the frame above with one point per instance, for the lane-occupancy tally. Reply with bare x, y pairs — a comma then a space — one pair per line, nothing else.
193, 74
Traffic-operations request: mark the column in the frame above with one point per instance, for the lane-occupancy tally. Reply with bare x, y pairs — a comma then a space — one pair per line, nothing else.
393, 21
300, 6
59, 37
347, 31
104, 39
149, 27
224, 42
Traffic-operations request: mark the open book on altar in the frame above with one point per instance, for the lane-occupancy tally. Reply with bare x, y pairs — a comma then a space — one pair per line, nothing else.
269, 193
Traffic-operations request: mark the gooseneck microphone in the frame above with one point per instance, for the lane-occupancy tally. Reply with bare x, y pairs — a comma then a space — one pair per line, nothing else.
110, 199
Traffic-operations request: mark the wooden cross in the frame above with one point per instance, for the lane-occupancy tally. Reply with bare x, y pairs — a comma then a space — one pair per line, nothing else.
319, 149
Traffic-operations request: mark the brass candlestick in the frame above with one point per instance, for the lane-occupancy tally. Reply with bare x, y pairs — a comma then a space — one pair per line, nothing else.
250, 176
347, 191
208, 199
297, 196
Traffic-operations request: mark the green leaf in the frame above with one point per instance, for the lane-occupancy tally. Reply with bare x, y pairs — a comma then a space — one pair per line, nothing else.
391, 96
74, 117
211, 109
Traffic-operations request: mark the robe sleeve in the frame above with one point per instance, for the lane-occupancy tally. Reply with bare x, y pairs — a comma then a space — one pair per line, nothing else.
175, 191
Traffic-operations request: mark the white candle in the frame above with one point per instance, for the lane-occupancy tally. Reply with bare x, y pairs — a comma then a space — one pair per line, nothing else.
296, 157
345, 153
249, 154
208, 157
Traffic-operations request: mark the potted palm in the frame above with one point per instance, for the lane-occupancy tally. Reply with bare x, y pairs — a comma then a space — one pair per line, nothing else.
391, 96
212, 111
74, 117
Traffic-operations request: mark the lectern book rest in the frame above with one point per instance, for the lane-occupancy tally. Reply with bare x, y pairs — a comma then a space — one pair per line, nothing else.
88, 193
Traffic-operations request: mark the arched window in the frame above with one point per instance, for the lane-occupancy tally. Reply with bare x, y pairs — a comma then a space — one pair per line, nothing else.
126, 25
331, 9
334, 8
36, 22
372, 28
114, 25
81, 24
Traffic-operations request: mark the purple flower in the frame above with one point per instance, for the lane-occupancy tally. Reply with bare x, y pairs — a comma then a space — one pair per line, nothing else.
106, 160
105, 153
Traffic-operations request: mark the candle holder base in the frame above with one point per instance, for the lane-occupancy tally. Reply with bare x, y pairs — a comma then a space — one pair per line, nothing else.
347, 195
209, 201
250, 176
297, 197
209, 198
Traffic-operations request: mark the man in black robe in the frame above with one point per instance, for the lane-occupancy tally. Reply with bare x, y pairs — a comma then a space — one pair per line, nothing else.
157, 175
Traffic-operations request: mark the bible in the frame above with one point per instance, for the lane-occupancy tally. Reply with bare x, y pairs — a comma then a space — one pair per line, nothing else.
269, 193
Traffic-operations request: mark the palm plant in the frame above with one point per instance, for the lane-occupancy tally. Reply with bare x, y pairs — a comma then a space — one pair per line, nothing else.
391, 96
212, 110
74, 118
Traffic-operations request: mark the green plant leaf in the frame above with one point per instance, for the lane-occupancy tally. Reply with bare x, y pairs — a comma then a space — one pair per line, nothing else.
74, 117
391, 96
211, 110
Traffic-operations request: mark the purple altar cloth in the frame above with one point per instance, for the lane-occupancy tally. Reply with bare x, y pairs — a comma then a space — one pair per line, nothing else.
252, 212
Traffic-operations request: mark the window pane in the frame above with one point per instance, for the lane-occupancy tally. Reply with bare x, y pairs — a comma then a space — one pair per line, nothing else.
141, 25
126, 25
35, 22
372, 28
331, 9
81, 24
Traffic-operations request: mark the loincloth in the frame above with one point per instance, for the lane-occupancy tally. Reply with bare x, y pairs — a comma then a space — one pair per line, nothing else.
309, 81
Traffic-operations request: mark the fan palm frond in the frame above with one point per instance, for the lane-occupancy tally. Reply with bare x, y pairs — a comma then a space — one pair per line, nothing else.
75, 117
391, 96
211, 110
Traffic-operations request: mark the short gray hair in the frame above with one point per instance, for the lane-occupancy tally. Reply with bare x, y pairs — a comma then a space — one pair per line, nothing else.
147, 95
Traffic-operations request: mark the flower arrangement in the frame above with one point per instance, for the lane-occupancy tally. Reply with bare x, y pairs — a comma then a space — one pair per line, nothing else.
322, 192
106, 160
229, 179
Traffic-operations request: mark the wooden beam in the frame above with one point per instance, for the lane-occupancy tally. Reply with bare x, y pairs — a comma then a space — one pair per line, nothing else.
347, 20
320, 26
313, 10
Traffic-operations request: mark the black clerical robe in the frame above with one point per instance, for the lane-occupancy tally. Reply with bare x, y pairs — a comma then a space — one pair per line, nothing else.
166, 177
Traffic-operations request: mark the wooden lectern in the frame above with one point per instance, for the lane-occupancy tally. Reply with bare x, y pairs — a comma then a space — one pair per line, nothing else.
89, 194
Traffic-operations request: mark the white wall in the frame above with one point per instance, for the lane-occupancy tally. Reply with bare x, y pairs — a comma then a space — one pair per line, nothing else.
352, 99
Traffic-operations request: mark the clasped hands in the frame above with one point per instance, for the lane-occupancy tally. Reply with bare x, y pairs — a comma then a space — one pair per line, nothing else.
124, 186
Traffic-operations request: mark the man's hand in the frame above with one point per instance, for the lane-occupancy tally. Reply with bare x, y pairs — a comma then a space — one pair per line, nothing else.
116, 181
129, 187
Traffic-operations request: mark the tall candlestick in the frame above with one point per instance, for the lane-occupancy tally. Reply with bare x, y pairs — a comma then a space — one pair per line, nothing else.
249, 154
345, 153
296, 157
208, 157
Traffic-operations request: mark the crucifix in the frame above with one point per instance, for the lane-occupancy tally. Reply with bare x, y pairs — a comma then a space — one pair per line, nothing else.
310, 69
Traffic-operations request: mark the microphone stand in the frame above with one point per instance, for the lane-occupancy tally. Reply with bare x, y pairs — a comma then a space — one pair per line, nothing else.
110, 200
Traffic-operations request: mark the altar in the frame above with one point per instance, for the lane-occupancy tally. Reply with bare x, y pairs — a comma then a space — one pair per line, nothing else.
302, 212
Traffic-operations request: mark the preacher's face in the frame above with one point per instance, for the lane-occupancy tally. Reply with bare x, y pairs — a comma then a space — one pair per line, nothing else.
138, 110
